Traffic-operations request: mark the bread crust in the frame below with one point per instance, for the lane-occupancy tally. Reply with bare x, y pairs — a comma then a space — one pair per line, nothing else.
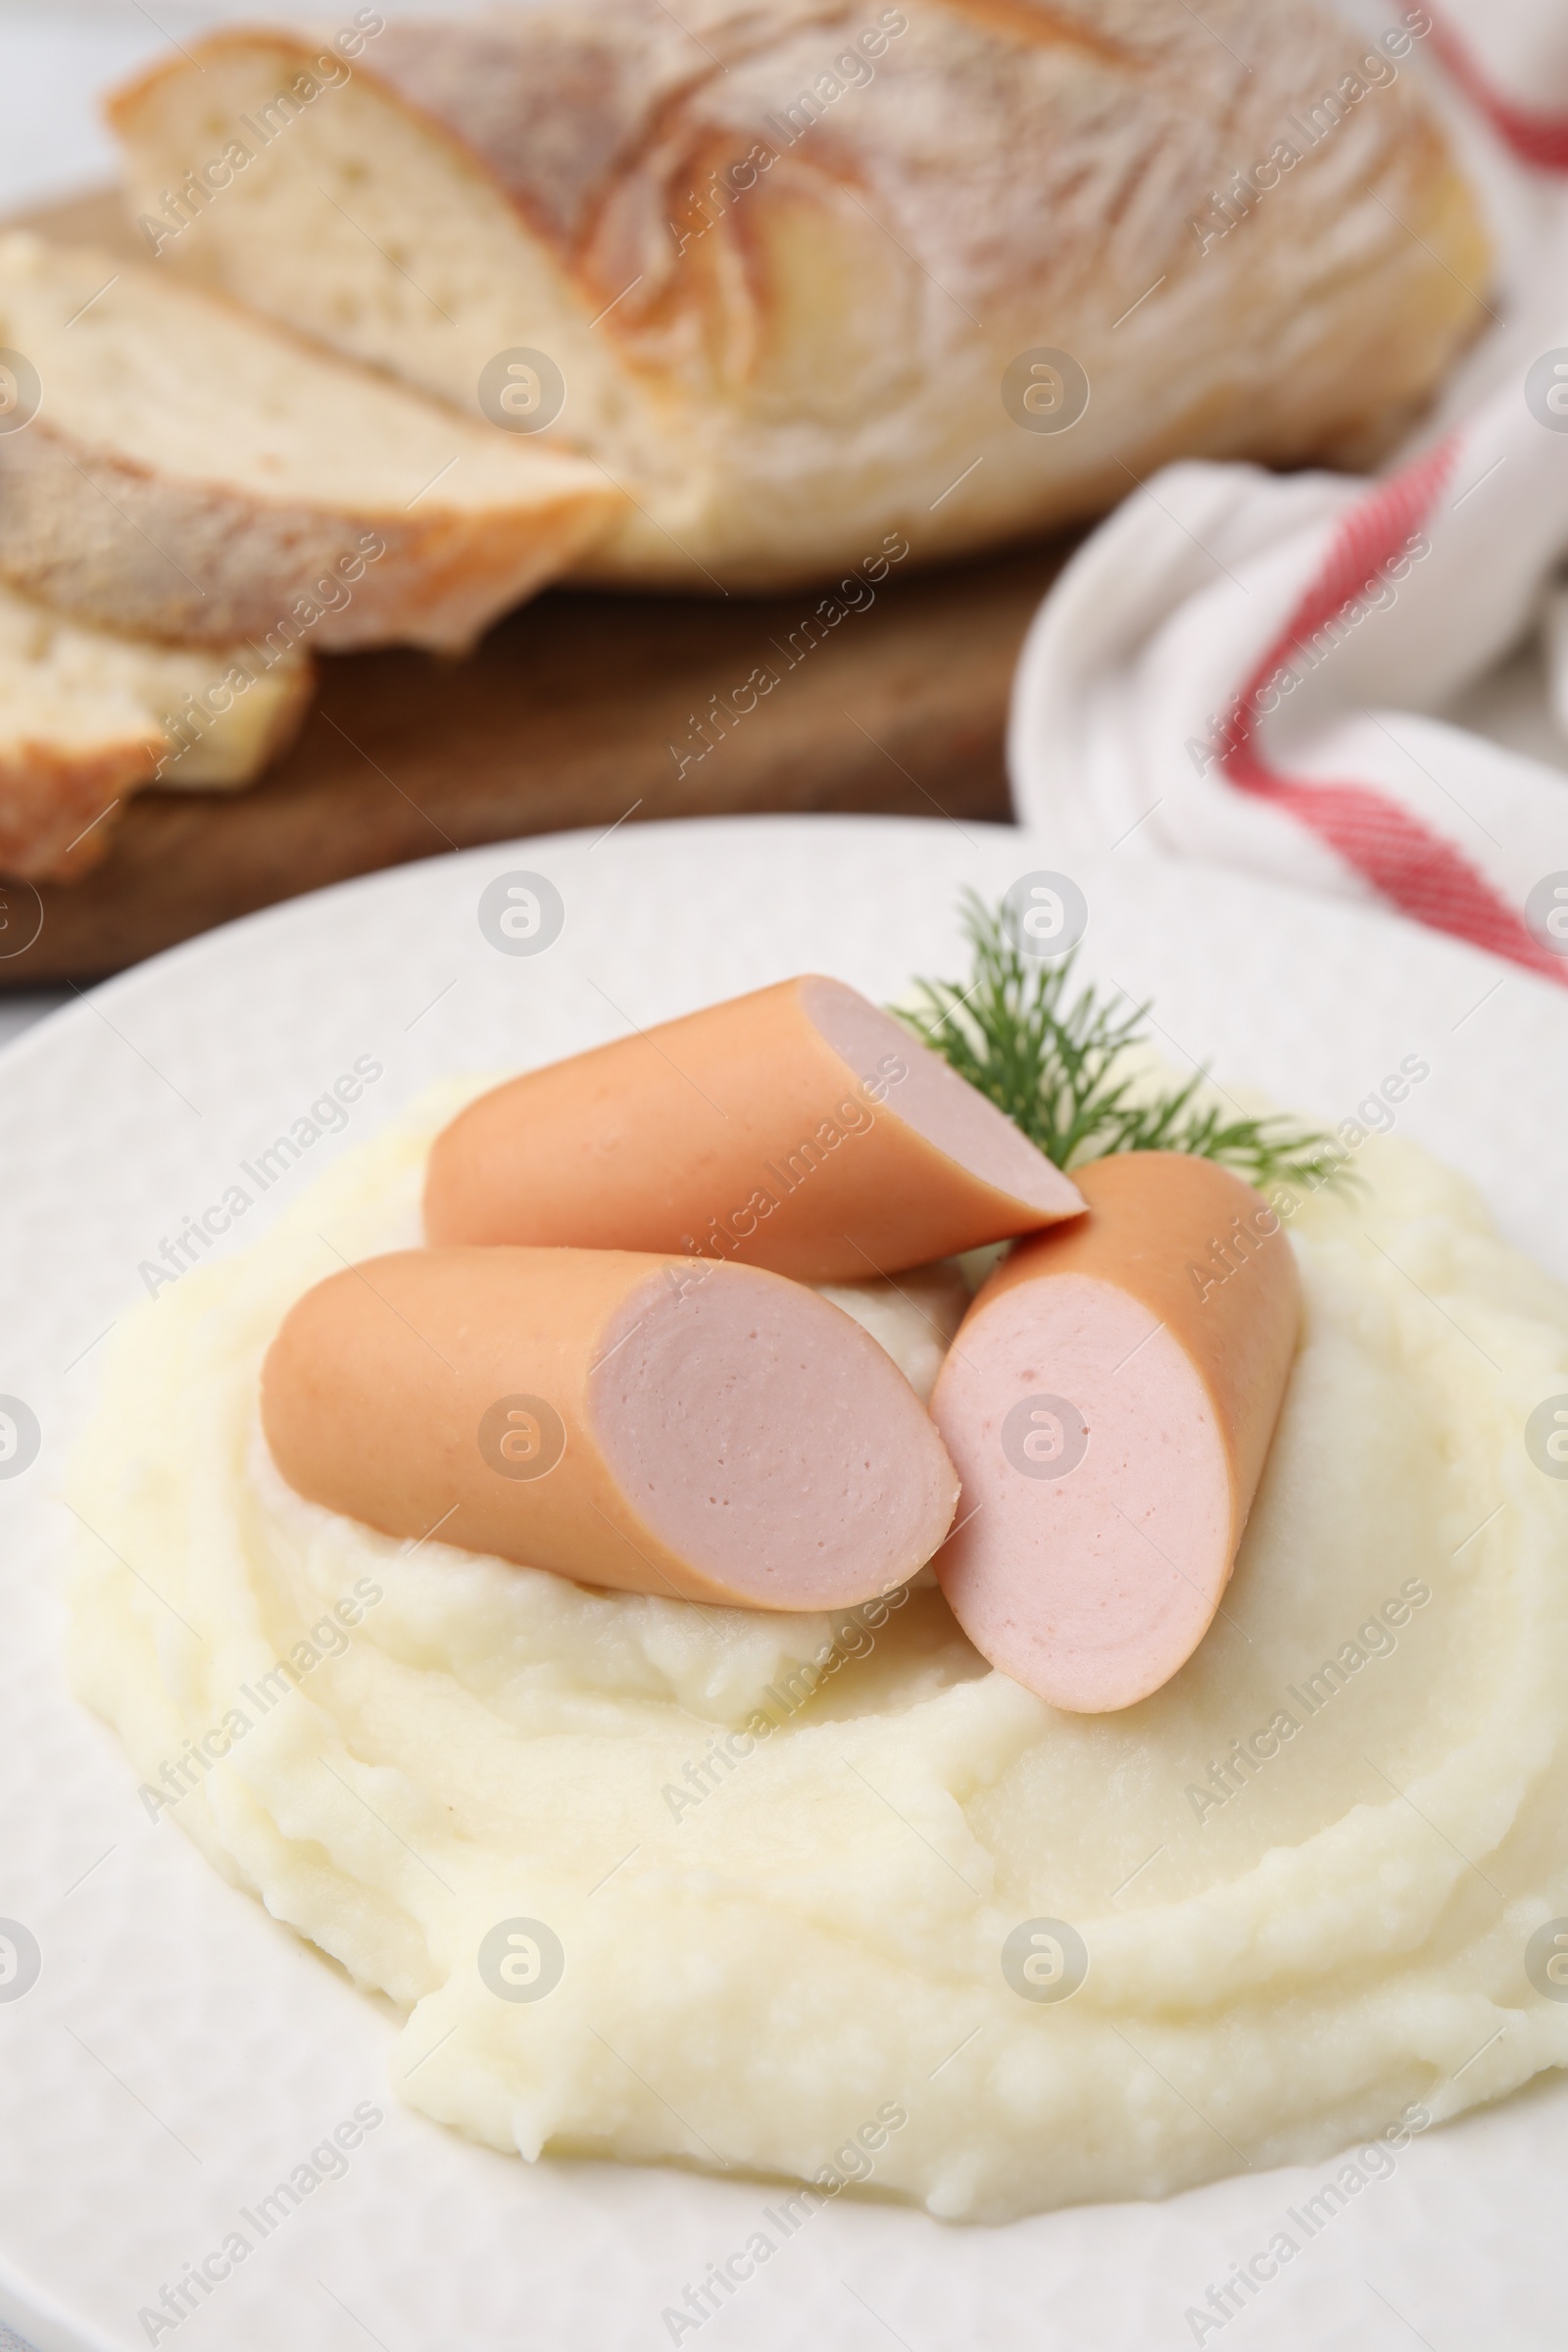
817, 356
61, 789
50, 796
196, 563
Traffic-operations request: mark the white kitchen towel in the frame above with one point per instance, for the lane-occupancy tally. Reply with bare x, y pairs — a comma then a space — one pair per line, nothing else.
1244, 668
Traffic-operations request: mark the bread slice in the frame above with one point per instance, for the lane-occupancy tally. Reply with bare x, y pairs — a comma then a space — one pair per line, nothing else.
193, 472
87, 719
795, 260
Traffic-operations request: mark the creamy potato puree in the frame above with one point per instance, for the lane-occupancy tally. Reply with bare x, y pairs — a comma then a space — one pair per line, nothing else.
781, 1858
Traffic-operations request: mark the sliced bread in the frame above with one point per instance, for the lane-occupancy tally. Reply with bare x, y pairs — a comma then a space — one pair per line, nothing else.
87, 719
173, 467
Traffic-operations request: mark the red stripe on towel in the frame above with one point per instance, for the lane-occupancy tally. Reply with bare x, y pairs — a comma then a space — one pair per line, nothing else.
1414, 868
1537, 138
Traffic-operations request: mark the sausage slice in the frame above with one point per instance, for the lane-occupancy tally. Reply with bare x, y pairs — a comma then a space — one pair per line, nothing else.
713, 1432
1108, 1403
799, 1127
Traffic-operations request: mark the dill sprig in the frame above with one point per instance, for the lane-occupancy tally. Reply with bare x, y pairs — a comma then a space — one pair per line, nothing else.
1053, 1061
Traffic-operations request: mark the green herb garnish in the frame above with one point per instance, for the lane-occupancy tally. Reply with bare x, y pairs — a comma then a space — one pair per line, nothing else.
1050, 1059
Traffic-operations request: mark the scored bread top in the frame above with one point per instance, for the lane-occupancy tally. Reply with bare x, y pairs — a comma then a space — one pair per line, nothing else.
1023, 150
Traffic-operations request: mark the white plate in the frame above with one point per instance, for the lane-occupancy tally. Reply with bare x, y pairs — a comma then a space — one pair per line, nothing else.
179, 2053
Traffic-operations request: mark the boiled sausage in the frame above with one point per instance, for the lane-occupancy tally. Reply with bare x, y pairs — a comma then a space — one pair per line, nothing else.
799, 1127
1109, 1404
713, 1432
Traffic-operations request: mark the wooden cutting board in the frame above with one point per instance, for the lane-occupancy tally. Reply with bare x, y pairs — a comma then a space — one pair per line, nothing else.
563, 717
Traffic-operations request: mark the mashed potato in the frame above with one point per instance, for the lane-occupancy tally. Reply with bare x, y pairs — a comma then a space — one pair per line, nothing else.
822, 1897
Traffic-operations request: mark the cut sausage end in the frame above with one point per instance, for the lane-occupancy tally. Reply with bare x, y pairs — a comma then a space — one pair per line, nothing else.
768, 1441
1103, 1511
941, 1106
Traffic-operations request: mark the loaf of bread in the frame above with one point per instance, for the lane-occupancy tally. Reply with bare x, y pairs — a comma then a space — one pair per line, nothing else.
804, 272
174, 466
87, 719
